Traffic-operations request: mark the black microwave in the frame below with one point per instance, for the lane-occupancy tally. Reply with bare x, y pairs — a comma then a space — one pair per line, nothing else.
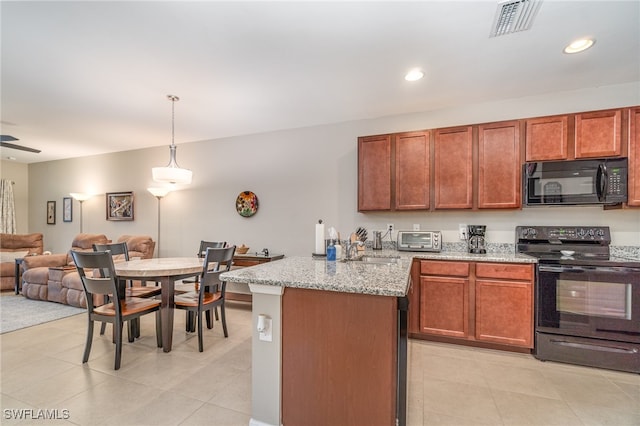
576, 182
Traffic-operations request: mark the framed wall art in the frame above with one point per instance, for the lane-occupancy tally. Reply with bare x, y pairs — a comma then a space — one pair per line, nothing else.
67, 209
119, 205
51, 212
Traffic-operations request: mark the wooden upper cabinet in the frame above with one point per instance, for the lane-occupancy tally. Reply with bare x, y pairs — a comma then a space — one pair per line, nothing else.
499, 173
634, 158
374, 173
412, 152
598, 134
453, 168
547, 138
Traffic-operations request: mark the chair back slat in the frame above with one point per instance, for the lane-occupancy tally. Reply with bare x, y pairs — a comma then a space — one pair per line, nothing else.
115, 249
204, 245
104, 282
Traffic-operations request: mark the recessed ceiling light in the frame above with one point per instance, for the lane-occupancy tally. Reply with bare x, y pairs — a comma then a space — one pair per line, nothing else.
579, 45
414, 75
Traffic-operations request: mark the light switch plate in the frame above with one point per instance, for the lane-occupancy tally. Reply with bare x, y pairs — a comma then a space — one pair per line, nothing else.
462, 232
266, 335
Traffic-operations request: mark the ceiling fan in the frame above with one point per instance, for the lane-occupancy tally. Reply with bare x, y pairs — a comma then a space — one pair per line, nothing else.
5, 142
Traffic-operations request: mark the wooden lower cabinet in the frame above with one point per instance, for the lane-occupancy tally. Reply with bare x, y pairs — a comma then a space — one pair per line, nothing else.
339, 358
444, 306
504, 312
489, 303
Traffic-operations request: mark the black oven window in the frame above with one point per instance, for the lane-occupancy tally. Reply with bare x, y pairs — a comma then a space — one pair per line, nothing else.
596, 299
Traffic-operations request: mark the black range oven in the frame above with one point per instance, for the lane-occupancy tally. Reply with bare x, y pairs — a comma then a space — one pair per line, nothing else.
587, 302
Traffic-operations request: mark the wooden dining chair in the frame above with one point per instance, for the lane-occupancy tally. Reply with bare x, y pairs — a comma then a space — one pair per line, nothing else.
211, 292
192, 284
120, 251
103, 281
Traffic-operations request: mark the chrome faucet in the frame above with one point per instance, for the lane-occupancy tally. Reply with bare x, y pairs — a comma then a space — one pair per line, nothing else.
351, 246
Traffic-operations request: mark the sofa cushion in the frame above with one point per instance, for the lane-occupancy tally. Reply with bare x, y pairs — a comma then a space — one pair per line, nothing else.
44, 260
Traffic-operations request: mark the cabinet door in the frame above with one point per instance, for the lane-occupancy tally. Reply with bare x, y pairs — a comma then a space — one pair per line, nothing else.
374, 173
412, 171
598, 134
634, 158
547, 138
504, 312
444, 306
453, 169
499, 165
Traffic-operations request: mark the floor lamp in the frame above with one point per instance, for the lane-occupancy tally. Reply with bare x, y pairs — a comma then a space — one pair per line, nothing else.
81, 197
159, 193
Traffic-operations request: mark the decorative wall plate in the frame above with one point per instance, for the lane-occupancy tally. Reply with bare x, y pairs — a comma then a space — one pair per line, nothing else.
247, 204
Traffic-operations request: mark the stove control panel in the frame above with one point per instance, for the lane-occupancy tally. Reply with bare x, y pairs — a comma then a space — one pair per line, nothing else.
563, 233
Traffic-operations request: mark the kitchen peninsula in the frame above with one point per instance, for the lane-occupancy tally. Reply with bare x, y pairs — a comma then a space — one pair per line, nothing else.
336, 343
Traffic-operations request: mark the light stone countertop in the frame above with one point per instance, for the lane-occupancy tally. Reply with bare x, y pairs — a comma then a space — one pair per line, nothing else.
354, 277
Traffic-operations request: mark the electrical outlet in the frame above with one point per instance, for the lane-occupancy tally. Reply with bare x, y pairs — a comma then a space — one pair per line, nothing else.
462, 232
416, 226
390, 227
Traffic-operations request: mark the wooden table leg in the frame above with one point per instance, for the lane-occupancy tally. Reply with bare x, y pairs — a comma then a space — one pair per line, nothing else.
166, 312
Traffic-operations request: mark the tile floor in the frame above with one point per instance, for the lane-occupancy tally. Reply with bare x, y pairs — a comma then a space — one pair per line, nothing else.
448, 385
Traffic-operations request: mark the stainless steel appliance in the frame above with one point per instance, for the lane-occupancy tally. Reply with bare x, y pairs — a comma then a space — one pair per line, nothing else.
377, 240
420, 241
587, 301
575, 182
475, 239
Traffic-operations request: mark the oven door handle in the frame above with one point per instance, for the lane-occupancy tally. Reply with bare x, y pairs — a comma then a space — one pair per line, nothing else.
592, 346
583, 269
553, 268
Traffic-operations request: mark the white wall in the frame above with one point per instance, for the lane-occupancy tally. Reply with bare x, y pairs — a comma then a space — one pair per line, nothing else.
19, 174
299, 176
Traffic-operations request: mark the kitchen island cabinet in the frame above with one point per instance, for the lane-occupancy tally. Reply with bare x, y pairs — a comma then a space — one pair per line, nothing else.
337, 347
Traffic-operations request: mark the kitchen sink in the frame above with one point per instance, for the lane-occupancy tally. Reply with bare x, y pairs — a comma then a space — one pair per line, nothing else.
375, 260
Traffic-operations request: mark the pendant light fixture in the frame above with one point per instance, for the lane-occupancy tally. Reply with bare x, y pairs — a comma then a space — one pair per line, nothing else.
172, 173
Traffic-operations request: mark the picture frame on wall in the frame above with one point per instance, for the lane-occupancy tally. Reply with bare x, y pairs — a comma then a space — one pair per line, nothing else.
120, 205
67, 209
51, 212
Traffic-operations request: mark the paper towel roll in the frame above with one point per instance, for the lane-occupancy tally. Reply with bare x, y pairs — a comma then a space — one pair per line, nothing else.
319, 238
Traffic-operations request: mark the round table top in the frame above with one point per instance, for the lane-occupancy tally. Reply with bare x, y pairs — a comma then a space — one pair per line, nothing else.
164, 266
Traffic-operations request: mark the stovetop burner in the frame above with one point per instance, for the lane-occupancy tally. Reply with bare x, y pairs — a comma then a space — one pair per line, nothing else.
582, 245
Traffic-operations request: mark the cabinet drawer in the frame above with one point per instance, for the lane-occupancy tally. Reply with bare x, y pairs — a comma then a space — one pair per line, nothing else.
245, 262
456, 269
517, 271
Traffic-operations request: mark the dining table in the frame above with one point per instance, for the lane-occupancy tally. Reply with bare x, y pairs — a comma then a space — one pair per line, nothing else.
166, 271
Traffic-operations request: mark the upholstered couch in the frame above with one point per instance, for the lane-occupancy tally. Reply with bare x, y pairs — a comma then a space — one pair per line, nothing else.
14, 246
54, 278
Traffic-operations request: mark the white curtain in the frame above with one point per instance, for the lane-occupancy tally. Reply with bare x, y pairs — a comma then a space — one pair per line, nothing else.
7, 208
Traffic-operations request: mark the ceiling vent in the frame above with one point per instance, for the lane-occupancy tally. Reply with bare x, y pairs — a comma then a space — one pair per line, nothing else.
513, 16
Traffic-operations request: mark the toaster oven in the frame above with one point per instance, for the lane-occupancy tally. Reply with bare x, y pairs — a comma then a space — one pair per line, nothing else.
420, 241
